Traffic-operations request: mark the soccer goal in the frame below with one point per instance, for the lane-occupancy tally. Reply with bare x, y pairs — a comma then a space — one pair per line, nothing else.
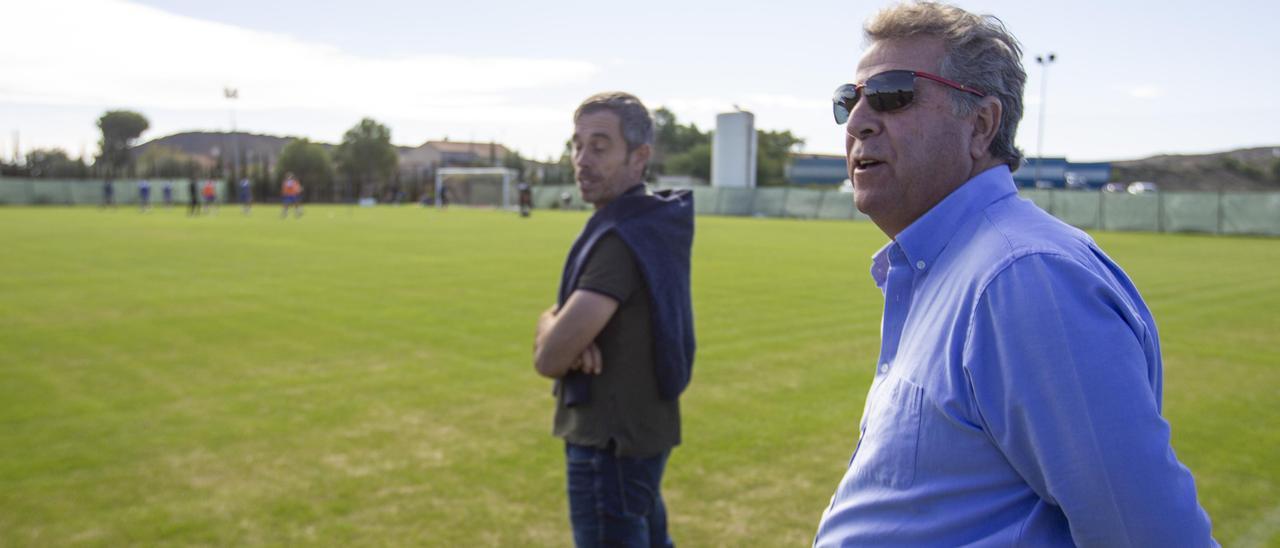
476, 186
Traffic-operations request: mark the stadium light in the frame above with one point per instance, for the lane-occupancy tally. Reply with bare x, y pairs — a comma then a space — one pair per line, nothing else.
1043, 61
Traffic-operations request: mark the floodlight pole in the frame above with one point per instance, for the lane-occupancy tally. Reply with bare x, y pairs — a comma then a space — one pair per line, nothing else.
1043, 61
232, 94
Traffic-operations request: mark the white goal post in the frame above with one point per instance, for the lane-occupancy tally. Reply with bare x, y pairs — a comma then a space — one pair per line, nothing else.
476, 198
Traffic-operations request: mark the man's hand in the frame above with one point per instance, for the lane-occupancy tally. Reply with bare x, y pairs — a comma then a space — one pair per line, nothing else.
591, 362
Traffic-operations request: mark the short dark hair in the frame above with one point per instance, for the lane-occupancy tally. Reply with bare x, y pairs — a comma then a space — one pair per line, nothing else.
637, 125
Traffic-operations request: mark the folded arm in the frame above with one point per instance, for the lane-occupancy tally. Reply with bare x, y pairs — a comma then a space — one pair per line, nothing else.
564, 338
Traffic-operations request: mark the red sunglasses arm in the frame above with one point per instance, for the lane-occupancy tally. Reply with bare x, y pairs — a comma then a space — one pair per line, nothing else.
946, 82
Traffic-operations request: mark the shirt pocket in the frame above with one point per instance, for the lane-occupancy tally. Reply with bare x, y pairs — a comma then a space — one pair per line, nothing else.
890, 438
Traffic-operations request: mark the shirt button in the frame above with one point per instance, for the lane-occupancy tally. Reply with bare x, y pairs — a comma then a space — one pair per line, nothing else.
920, 265
884, 367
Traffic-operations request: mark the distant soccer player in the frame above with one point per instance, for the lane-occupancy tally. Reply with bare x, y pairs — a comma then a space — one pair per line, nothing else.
144, 195
210, 194
108, 194
193, 195
291, 195
526, 198
246, 196
168, 193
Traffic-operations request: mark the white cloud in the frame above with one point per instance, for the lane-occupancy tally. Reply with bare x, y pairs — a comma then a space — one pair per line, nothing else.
754, 102
114, 53
1139, 91
1146, 92
698, 106
789, 102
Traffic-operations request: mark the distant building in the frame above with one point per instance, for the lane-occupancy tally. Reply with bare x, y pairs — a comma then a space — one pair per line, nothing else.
421, 162
1059, 173
733, 150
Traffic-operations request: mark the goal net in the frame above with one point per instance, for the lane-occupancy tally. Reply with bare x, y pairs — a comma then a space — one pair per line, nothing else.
476, 186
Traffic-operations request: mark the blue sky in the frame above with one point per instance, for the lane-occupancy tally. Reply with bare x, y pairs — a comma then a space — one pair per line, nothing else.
1133, 78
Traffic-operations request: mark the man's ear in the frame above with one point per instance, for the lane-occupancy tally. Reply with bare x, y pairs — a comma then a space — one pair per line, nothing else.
986, 124
641, 155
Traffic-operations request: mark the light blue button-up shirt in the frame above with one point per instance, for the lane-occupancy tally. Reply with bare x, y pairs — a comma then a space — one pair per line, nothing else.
1016, 398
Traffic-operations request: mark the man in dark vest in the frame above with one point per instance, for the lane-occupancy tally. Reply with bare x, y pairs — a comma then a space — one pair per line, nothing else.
619, 342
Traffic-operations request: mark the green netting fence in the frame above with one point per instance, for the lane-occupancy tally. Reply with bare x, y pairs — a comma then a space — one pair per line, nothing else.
66, 192
1256, 213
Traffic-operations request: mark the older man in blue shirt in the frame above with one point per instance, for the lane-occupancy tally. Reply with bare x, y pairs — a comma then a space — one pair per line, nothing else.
1017, 394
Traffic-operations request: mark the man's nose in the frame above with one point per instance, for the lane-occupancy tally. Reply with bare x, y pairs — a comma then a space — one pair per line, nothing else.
863, 121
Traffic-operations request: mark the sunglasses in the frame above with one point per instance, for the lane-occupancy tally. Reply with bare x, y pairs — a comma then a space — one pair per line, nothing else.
889, 90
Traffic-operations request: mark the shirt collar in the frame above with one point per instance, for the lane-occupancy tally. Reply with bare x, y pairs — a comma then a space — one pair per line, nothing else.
880, 265
925, 238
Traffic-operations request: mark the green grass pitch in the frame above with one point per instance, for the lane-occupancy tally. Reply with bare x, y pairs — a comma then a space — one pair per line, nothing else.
363, 376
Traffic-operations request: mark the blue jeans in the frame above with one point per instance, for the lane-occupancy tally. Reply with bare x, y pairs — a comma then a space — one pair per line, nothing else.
616, 501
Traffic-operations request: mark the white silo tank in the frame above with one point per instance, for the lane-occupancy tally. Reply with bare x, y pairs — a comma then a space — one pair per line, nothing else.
733, 150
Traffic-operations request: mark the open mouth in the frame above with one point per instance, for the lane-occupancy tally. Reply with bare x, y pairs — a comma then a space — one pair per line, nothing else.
866, 163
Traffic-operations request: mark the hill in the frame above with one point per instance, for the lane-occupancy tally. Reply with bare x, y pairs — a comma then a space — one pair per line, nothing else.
208, 144
211, 143
1249, 169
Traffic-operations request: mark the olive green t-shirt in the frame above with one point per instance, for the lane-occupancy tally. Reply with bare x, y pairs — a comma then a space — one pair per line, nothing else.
624, 405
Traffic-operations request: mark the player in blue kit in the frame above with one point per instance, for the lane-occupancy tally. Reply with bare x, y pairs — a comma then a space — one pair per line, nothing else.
246, 195
144, 195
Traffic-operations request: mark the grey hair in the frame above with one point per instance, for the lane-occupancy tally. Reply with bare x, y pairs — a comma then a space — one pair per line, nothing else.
637, 125
980, 53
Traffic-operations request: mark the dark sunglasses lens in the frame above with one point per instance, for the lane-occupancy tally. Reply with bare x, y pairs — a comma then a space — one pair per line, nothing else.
842, 102
891, 90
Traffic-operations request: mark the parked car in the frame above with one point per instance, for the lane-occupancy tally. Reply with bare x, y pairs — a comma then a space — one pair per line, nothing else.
1141, 187
1113, 187
1075, 181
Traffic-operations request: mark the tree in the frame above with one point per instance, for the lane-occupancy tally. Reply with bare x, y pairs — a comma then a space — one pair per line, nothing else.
366, 154
309, 162
54, 162
695, 162
261, 177
665, 137
119, 129
12, 170
773, 151
674, 143
516, 162
556, 171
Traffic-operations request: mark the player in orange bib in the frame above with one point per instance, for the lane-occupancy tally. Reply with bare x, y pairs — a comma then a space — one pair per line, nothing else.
291, 195
210, 193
